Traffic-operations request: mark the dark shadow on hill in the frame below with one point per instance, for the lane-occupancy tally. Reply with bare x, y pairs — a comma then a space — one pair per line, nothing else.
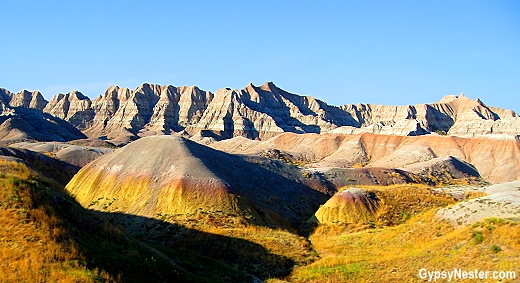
161, 252
54, 170
440, 122
278, 191
37, 125
201, 253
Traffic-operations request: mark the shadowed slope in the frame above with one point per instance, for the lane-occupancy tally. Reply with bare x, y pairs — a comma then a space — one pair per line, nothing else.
48, 237
165, 175
20, 123
77, 155
55, 171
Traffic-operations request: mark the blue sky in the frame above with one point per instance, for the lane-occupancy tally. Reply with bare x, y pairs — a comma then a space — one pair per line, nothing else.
381, 52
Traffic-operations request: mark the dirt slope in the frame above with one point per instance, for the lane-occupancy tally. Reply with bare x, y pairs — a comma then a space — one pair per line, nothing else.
495, 160
166, 175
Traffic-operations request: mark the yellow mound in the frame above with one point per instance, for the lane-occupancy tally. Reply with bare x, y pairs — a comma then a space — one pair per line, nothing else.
166, 176
349, 206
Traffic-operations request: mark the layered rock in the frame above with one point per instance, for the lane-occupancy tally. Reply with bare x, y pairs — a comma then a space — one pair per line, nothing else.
149, 110
474, 118
454, 115
260, 112
166, 175
73, 107
495, 160
254, 112
405, 127
28, 99
265, 111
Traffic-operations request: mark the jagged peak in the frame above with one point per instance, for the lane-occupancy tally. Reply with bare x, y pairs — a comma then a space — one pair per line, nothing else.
223, 91
4, 90
448, 98
112, 88
251, 88
269, 86
24, 92
36, 93
458, 99
77, 95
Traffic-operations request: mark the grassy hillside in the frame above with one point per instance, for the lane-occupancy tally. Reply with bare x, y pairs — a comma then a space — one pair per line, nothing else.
352, 253
48, 237
34, 245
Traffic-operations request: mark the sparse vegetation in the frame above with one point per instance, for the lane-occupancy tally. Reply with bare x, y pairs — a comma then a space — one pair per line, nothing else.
34, 247
403, 201
477, 237
45, 236
395, 254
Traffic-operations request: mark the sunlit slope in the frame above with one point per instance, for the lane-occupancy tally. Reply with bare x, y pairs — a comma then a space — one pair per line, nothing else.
165, 176
48, 237
495, 160
397, 254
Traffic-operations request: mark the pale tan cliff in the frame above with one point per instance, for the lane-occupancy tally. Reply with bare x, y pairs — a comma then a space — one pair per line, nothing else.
261, 112
28, 99
73, 107
150, 109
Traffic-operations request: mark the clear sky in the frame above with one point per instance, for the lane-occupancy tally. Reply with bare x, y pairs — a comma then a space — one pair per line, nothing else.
382, 52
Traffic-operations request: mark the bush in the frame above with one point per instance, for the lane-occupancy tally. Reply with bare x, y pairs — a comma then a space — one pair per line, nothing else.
478, 237
496, 248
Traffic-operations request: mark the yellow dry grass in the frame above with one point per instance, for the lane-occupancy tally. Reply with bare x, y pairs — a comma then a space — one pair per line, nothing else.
275, 241
396, 254
33, 245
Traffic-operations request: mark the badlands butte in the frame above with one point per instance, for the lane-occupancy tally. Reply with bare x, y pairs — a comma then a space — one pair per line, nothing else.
249, 183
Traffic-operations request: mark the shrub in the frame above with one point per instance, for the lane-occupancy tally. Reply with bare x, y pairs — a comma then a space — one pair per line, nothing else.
477, 236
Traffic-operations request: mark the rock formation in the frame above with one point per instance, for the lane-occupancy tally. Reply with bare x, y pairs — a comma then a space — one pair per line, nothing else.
73, 107
453, 115
27, 99
443, 169
75, 155
495, 160
122, 115
349, 206
5, 96
20, 123
166, 175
